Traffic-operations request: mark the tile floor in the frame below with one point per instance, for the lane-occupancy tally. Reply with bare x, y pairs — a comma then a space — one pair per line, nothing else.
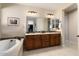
53, 51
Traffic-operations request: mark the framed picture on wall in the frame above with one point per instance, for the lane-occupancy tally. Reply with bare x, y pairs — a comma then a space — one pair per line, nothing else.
13, 21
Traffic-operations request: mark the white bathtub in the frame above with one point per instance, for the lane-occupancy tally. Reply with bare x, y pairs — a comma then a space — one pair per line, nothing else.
11, 47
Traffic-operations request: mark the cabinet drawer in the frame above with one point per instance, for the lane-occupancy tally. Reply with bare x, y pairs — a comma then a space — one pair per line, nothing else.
57, 41
28, 44
45, 37
52, 43
45, 44
37, 41
29, 37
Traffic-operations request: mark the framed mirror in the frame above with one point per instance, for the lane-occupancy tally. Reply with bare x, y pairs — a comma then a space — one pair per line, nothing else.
37, 24
53, 24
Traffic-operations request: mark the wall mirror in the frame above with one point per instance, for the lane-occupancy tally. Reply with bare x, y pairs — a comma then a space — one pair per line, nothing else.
53, 24
37, 24
31, 24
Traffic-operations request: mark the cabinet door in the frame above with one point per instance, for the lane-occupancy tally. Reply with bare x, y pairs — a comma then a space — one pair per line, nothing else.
37, 41
28, 42
58, 39
45, 40
52, 39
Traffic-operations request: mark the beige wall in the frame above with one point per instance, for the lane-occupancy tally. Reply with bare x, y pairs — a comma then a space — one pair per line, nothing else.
78, 24
0, 20
78, 18
12, 30
20, 12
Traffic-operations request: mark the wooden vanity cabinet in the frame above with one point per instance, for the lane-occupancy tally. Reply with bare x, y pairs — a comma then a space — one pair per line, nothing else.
55, 39
32, 42
52, 39
58, 39
41, 41
37, 41
45, 40
28, 42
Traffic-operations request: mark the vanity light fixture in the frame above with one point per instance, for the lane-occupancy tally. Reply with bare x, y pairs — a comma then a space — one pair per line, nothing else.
50, 14
32, 12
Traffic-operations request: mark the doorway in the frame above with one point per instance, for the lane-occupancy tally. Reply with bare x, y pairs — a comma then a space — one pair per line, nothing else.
70, 28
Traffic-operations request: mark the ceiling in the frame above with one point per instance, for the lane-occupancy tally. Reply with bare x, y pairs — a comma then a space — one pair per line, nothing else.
48, 6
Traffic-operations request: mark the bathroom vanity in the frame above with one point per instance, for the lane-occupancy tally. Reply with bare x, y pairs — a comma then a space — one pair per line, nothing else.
41, 33
41, 40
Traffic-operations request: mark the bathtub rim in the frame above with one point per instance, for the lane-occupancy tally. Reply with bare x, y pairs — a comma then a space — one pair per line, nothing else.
14, 46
